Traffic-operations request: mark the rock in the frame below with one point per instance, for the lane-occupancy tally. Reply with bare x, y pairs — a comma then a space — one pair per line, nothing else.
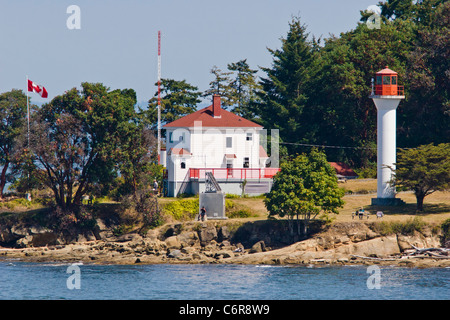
45, 239
152, 234
86, 237
188, 250
101, 225
174, 254
105, 234
223, 254
169, 232
38, 230
258, 247
129, 237
207, 234
19, 231
382, 246
7, 237
188, 238
223, 234
172, 242
24, 242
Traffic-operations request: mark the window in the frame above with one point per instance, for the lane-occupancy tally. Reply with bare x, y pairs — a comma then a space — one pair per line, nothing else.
249, 137
386, 80
229, 142
246, 162
171, 137
183, 164
378, 80
394, 79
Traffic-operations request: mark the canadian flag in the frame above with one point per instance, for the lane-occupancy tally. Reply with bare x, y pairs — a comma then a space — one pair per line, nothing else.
37, 88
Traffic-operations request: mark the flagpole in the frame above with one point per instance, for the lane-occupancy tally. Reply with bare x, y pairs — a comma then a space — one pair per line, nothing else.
28, 195
28, 117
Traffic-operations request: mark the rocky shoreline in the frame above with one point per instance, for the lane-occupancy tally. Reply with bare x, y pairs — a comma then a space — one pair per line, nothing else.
233, 243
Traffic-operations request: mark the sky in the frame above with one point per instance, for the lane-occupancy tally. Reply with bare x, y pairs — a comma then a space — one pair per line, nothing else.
117, 42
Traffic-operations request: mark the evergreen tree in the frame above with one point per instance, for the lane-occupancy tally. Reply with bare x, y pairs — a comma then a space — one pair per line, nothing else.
424, 170
343, 87
425, 117
285, 90
244, 87
221, 85
178, 98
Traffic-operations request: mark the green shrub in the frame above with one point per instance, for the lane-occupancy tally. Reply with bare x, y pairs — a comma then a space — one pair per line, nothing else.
369, 172
445, 226
183, 209
394, 227
232, 196
233, 210
241, 213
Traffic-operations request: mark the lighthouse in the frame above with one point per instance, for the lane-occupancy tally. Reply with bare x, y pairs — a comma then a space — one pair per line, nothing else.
386, 95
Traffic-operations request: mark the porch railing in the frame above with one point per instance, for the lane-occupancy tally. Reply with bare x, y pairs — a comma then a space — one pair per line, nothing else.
233, 173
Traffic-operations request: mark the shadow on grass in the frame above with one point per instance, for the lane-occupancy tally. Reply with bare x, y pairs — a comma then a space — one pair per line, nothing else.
410, 208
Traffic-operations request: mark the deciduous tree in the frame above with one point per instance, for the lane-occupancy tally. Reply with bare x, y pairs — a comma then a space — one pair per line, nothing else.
305, 187
77, 136
13, 115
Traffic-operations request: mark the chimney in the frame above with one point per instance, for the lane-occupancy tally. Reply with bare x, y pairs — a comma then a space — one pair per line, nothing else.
216, 108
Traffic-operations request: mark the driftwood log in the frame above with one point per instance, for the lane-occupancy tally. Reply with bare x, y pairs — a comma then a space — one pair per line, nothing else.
439, 253
435, 253
373, 258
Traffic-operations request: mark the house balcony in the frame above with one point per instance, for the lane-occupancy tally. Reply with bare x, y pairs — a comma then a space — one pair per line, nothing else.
233, 173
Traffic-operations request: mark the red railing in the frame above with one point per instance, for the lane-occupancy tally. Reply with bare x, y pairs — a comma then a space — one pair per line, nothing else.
234, 173
380, 91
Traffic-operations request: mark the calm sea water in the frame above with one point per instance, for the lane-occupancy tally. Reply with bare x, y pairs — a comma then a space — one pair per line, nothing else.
20, 280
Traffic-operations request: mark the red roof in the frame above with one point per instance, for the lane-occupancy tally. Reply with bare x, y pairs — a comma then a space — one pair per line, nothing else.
205, 115
343, 169
386, 71
262, 152
179, 151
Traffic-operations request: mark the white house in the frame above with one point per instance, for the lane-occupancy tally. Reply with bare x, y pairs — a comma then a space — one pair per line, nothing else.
218, 141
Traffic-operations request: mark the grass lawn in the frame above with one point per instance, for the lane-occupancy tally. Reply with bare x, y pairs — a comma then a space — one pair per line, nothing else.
436, 205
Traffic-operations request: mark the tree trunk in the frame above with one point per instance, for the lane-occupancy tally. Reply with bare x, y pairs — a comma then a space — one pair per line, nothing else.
3, 179
305, 228
291, 225
420, 197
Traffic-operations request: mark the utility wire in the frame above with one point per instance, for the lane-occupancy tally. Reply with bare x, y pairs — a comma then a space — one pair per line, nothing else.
335, 147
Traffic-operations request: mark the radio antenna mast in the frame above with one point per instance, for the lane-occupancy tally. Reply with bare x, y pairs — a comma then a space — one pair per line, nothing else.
159, 96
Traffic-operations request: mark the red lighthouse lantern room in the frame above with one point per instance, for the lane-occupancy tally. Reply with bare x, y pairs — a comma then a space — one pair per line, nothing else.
386, 83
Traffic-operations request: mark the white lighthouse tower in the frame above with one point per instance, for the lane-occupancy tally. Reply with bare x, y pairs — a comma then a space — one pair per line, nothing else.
386, 96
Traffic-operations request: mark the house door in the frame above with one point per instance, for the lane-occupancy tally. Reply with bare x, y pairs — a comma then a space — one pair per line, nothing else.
229, 168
